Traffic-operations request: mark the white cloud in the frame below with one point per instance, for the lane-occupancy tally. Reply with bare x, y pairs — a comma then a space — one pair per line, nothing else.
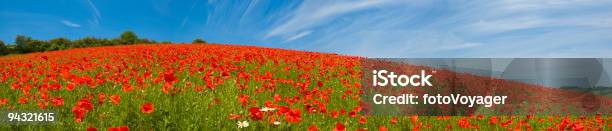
506, 24
460, 46
313, 13
507, 28
297, 36
70, 24
97, 16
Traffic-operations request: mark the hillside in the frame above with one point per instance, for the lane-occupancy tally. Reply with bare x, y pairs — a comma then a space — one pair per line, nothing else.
187, 86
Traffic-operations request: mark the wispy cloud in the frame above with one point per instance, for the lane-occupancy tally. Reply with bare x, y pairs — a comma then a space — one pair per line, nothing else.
372, 28
460, 46
249, 8
298, 36
313, 13
97, 15
506, 28
186, 18
70, 24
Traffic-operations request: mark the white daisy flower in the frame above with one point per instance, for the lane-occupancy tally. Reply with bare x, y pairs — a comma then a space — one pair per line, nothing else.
266, 109
243, 124
276, 123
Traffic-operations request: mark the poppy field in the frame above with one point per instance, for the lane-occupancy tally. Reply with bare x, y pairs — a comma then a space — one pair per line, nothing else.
231, 87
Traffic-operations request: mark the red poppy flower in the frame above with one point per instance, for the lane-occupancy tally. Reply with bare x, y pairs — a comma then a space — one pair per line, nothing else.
92, 129
121, 128
335, 114
363, 120
57, 101
169, 76
3, 101
313, 128
147, 108
393, 120
339, 127
382, 128
42, 104
255, 113
81, 108
23, 100
243, 99
101, 98
294, 115
234, 116
283, 109
115, 99
493, 120
463, 123
277, 98
127, 88
414, 119
70, 86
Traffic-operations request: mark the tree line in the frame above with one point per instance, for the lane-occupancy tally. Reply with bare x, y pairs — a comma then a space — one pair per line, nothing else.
25, 44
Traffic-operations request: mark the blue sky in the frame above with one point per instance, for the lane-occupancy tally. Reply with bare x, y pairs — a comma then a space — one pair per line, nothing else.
376, 28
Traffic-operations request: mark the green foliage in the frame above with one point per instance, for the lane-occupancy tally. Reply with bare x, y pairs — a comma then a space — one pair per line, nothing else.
86, 42
198, 41
59, 44
25, 44
3, 49
147, 41
21, 43
37, 45
128, 38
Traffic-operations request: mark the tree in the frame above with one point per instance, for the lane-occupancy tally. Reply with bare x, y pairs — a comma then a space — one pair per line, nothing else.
198, 41
147, 41
106, 42
59, 44
3, 49
37, 45
128, 37
25, 44
87, 42
21, 44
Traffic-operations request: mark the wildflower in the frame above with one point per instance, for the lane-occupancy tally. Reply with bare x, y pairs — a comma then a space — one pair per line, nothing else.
493, 120
57, 101
340, 127
147, 108
81, 108
115, 99
101, 98
243, 124
294, 115
243, 99
255, 113
382, 128
313, 128
92, 129
121, 128
393, 120
23, 100
234, 116
70, 86
3, 101
266, 109
362, 120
